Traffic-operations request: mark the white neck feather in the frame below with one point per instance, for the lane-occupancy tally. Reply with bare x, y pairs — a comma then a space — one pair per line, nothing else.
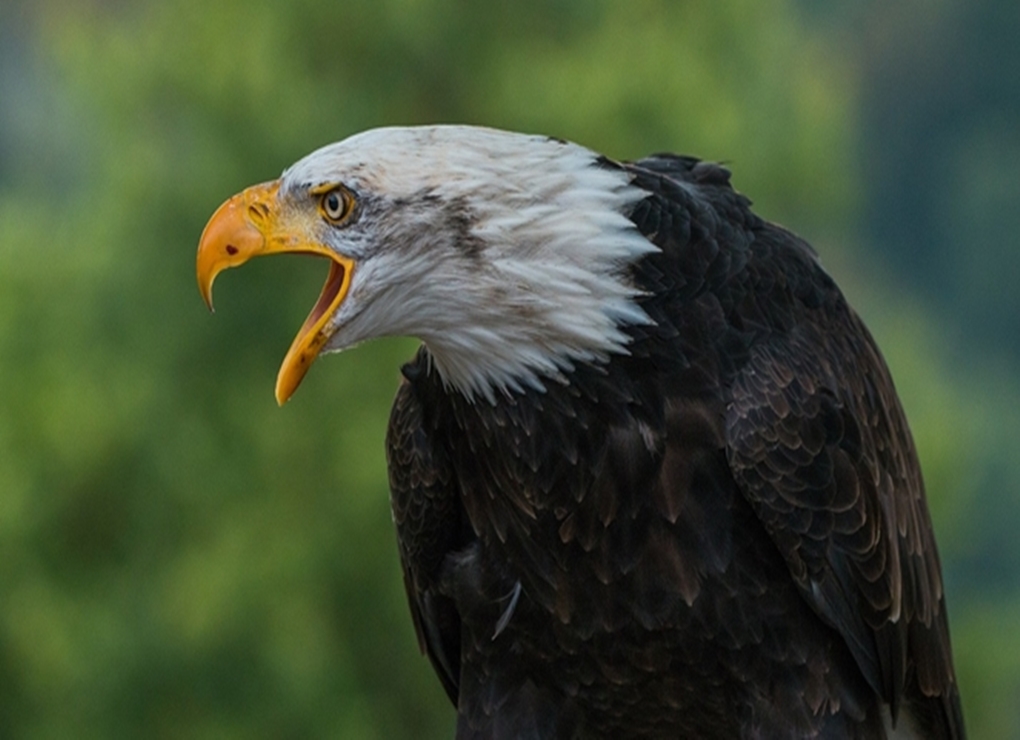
543, 283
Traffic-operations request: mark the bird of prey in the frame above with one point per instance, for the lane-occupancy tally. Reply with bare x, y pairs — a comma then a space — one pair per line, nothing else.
650, 476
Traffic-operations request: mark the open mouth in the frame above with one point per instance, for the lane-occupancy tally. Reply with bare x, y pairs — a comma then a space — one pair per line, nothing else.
313, 335
328, 298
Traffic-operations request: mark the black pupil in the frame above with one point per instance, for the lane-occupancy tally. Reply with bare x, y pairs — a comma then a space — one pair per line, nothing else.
333, 204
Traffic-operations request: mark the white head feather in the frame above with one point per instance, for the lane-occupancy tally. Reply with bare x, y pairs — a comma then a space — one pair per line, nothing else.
506, 254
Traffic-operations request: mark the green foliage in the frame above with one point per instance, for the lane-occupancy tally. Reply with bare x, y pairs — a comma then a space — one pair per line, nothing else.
178, 557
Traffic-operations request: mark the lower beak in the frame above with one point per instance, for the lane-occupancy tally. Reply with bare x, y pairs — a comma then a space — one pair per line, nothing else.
250, 225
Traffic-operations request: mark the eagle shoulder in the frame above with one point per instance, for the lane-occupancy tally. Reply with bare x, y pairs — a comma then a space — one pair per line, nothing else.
819, 444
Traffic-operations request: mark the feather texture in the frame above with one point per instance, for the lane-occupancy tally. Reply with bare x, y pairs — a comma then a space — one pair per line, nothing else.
720, 533
650, 476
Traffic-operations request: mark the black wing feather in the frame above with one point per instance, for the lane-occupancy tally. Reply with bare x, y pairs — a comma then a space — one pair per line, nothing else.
819, 444
815, 434
428, 517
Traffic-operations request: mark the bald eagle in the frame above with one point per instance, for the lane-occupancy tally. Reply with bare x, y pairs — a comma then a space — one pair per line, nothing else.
650, 476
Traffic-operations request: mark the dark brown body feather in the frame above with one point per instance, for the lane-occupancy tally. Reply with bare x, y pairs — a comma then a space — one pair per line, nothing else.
721, 535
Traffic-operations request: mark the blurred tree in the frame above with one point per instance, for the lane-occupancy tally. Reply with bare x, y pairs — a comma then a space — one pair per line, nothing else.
177, 556
940, 152
942, 118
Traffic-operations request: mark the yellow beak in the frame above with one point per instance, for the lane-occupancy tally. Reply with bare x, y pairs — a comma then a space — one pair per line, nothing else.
252, 224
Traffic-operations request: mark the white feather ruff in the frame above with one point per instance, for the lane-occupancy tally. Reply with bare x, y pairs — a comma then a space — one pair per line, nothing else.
506, 254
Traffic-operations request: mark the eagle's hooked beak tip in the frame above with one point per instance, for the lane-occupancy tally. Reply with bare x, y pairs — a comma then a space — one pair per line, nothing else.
231, 238
207, 297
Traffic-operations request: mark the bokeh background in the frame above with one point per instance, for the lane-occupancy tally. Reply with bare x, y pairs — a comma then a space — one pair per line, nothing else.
181, 558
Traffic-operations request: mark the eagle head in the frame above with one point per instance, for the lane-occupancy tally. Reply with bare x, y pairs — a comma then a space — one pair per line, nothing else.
508, 255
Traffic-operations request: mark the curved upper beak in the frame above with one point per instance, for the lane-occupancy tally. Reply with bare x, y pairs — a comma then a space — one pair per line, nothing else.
251, 224
231, 237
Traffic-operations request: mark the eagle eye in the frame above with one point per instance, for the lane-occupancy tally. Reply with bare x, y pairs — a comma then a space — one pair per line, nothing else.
336, 204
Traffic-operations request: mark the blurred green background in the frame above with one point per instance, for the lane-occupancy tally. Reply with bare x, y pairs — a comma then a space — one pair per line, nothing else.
181, 558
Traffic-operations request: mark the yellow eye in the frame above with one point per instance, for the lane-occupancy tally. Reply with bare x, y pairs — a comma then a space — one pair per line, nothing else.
336, 204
